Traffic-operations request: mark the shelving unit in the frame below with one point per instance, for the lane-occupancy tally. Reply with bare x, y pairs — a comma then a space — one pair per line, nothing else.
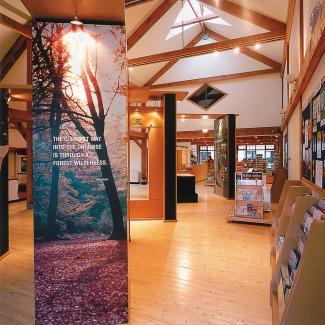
290, 193
304, 300
249, 206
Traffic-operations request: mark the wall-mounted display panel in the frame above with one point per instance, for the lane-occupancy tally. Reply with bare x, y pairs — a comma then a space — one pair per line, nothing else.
80, 173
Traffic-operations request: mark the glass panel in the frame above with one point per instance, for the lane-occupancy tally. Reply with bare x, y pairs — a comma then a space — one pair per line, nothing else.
206, 96
270, 146
241, 155
251, 147
241, 147
251, 154
260, 146
261, 152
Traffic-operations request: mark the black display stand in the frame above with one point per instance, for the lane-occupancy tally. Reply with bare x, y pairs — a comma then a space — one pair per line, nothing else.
225, 149
4, 222
186, 189
170, 156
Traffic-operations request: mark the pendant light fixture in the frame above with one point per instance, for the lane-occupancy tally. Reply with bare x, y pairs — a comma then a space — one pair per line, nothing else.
76, 21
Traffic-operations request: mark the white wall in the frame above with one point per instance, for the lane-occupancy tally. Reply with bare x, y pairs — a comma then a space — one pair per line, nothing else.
135, 162
257, 100
308, 7
294, 141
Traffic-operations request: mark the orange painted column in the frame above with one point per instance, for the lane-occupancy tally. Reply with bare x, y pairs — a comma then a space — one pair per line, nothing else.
153, 207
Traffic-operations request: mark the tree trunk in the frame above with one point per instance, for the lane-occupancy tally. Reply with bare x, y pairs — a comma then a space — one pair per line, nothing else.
55, 122
119, 231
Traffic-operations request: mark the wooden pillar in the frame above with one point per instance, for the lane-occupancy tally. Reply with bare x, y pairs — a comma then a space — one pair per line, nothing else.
170, 213
144, 159
4, 218
29, 135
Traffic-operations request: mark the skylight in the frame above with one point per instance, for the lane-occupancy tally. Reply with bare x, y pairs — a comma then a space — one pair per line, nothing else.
191, 14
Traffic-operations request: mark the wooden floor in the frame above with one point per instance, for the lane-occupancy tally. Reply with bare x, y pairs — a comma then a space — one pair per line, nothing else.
200, 270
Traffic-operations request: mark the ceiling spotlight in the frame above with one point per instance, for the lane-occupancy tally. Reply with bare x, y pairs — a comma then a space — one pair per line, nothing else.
205, 117
236, 50
205, 130
257, 46
76, 21
131, 68
183, 116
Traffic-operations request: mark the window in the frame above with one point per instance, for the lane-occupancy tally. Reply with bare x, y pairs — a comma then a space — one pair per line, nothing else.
205, 152
250, 152
206, 96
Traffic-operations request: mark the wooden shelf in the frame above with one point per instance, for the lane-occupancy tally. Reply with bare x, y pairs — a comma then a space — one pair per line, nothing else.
306, 298
265, 221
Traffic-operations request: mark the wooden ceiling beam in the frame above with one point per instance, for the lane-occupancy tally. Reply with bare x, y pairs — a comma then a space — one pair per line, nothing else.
170, 64
246, 14
136, 135
149, 22
23, 30
195, 21
144, 94
261, 131
14, 53
209, 48
291, 12
234, 76
133, 3
248, 52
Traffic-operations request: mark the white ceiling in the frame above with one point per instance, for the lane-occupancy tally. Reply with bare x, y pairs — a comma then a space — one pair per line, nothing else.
154, 41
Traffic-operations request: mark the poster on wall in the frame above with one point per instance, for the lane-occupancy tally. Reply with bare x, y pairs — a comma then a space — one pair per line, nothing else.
80, 173
4, 148
306, 143
313, 139
285, 150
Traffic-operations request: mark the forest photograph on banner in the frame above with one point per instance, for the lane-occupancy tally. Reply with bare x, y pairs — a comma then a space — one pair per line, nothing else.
80, 173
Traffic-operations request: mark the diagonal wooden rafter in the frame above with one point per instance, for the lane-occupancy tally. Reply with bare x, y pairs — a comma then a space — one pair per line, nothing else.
149, 22
233, 76
12, 56
246, 14
133, 3
196, 15
171, 63
209, 48
249, 52
195, 21
21, 129
12, 24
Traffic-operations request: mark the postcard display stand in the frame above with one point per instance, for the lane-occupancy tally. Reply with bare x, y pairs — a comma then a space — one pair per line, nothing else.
249, 206
298, 269
80, 173
313, 139
4, 226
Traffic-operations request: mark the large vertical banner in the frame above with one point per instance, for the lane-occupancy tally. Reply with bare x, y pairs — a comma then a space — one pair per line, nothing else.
80, 173
4, 222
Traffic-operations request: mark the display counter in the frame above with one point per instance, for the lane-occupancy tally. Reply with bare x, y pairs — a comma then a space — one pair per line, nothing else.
200, 171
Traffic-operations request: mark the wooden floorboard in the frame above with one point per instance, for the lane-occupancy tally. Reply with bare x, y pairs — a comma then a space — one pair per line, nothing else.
199, 270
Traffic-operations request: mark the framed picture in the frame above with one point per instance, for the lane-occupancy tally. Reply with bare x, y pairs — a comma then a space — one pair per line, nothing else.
21, 164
